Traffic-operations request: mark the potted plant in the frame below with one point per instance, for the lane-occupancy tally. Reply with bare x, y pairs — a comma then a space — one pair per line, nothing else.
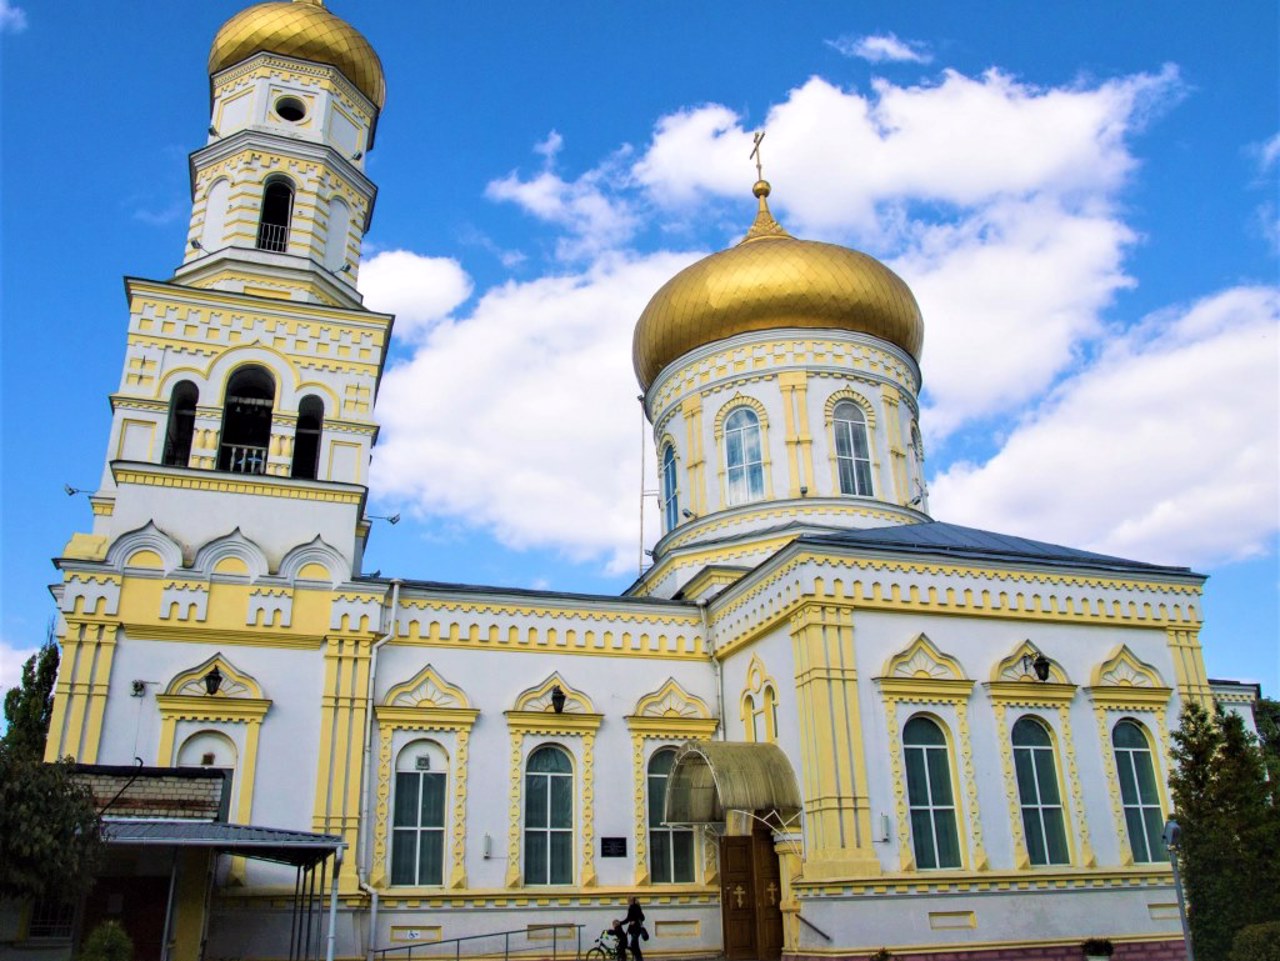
1097, 949
884, 954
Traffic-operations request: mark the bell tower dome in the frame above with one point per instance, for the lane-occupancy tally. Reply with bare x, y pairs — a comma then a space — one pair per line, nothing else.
781, 377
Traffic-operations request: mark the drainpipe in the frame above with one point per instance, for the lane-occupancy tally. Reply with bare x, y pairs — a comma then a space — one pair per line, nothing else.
715, 666
362, 861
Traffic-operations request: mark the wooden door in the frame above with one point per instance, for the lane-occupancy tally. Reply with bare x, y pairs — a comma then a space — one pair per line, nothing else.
738, 898
768, 878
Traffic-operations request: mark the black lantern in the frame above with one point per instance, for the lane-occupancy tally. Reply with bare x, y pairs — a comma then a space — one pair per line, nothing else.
1039, 664
557, 699
213, 680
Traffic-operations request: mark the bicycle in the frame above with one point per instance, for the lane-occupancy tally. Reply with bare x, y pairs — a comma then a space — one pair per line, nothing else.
604, 949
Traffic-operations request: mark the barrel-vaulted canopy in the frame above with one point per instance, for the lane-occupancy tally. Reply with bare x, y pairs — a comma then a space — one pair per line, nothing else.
709, 778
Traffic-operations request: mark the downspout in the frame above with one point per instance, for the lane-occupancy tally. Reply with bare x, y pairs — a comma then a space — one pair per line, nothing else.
362, 860
333, 906
715, 665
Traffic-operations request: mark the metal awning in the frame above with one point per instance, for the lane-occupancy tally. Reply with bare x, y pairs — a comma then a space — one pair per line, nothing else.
709, 778
297, 848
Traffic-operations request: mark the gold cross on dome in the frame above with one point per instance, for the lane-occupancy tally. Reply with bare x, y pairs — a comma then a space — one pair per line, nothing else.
755, 153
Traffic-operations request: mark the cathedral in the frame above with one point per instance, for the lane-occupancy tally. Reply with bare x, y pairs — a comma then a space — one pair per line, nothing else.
821, 723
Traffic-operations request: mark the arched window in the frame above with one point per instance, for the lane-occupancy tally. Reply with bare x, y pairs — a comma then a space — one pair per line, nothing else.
1042, 819
418, 821
743, 456
929, 795
277, 214
246, 421
182, 424
548, 817
1138, 792
853, 455
670, 849
306, 437
670, 490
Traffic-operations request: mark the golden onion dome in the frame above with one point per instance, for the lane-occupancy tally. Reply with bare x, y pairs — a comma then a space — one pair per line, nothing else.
303, 29
772, 280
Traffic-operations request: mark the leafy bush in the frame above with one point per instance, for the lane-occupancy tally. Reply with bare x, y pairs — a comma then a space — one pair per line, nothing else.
107, 942
1257, 942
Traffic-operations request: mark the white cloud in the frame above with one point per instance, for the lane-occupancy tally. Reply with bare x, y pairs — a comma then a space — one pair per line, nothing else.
1269, 153
522, 417
418, 290
882, 48
597, 218
11, 661
12, 19
1165, 449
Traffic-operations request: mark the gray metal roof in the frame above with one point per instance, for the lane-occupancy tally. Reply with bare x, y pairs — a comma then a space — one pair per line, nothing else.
267, 844
936, 537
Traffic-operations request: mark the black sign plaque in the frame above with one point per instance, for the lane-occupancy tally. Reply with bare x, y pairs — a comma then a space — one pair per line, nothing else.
613, 847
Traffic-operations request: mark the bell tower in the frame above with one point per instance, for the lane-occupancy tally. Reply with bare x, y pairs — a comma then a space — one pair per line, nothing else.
246, 399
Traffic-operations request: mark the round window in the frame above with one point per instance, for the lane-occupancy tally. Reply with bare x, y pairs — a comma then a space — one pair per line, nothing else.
291, 109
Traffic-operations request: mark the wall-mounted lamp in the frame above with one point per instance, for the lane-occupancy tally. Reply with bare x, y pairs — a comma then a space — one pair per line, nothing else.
357, 155
392, 519
195, 243
1039, 664
73, 491
138, 688
688, 514
213, 681
557, 699
344, 269
648, 553
213, 131
804, 492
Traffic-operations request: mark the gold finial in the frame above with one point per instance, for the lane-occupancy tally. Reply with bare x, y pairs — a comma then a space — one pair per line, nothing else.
765, 225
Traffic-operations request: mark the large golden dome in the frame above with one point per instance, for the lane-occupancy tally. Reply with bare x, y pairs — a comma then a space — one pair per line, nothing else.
772, 280
303, 29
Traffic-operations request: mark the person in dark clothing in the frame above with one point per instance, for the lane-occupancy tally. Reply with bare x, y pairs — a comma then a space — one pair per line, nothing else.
635, 928
620, 934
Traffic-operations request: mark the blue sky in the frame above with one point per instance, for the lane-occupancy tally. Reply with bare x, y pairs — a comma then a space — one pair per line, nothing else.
1083, 197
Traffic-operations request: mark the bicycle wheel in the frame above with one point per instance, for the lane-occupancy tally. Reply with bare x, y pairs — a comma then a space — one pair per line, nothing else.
595, 953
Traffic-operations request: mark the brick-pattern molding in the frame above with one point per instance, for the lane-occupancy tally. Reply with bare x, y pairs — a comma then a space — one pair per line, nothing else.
1125, 951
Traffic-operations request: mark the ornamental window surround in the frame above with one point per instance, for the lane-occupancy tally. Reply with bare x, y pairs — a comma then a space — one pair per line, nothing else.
744, 457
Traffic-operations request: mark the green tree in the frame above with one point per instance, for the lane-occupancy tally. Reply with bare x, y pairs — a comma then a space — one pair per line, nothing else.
50, 835
1267, 714
1230, 829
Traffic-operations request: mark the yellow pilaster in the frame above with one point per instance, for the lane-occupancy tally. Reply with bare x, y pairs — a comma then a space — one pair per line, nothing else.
1188, 666
837, 816
794, 386
342, 713
189, 903
691, 410
80, 695
897, 455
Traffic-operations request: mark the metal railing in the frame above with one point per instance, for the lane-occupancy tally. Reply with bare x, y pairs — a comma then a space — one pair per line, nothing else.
273, 237
244, 460
434, 950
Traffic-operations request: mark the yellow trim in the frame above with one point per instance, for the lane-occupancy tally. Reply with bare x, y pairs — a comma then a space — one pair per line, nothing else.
794, 385
80, 694
226, 483
691, 410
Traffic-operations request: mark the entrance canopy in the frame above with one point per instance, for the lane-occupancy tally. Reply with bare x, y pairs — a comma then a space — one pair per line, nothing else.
709, 778
297, 848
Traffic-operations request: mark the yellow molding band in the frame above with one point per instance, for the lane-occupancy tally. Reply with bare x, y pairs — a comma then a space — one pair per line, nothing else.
221, 484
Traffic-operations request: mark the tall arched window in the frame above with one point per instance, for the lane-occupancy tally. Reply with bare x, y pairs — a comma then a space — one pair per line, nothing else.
929, 795
670, 849
1138, 792
1038, 793
246, 421
306, 437
743, 456
548, 817
418, 821
670, 490
853, 454
182, 424
277, 215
